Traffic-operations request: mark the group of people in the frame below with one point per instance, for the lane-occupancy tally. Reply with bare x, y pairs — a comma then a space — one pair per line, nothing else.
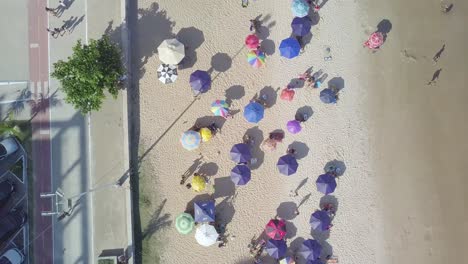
313, 80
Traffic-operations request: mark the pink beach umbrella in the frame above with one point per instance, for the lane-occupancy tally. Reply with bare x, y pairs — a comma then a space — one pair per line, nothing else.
375, 40
252, 41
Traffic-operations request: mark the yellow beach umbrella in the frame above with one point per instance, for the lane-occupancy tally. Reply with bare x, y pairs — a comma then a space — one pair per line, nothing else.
198, 183
206, 134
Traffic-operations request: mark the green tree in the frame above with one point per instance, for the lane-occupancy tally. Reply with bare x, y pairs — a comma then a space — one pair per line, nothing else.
89, 72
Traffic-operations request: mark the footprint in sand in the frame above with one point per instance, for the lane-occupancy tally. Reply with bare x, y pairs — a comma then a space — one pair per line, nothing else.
407, 56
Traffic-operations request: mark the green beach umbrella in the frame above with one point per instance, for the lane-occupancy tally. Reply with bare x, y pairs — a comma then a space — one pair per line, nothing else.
184, 223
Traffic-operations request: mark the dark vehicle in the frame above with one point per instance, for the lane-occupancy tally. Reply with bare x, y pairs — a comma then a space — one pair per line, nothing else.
6, 191
11, 223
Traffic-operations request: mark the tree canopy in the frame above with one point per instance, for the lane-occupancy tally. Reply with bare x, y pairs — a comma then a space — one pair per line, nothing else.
89, 72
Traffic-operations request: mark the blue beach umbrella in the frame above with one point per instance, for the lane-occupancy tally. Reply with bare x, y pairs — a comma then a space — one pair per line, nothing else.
310, 249
289, 48
253, 112
276, 248
240, 153
240, 175
301, 26
200, 81
320, 220
326, 183
190, 140
300, 8
328, 96
287, 165
204, 211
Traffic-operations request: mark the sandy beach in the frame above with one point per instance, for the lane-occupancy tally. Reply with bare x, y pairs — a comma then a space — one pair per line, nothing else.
379, 128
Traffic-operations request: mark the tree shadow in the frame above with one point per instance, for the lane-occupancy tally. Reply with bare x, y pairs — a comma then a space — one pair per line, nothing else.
257, 152
337, 83
338, 166
157, 222
208, 169
220, 62
271, 95
268, 46
224, 187
329, 199
286, 210
305, 110
234, 92
302, 150
192, 38
43, 103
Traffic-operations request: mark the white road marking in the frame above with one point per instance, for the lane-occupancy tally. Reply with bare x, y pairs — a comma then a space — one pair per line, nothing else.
33, 45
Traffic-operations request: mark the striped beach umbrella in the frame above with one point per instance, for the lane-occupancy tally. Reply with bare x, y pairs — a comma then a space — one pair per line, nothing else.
167, 73
256, 58
220, 108
184, 223
276, 229
190, 140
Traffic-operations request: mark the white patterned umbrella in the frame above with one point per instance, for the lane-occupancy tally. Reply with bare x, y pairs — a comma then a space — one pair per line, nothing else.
206, 235
167, 73
171, 51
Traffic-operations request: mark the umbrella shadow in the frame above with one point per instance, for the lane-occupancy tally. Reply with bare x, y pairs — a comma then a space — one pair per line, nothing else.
305, 110
336, 83
265, 25
190, 209
314, 17
320, 236
329, 200
189, 172
234, 92
224, 187
302, 150
268, 46
291, 230
220, 62
192, 38
206, 121
271, 95
327, 250
157, 221
286, 210
338, 166
257, 153
295, 245
208, 169
225, 211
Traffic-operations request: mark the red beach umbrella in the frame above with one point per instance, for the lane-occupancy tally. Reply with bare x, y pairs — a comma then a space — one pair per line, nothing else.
287, 94
276, 229
375, 40
252, 41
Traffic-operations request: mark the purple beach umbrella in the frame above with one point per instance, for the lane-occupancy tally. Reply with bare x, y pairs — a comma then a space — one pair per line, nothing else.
204, 211
310, 249
287, 165
320, 220
326, 183
301, 26
200, 81
240, 175
294, 126
240, 153
276, 248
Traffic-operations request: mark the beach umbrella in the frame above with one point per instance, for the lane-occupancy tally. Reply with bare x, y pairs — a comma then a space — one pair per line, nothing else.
253, 112
220, 108
326, 183
289, 48
240, 175
287, 260
301, 26
256, 58
328, 96
294, 126
375, 40
204, 211
205, 134
240, 153
269, 144
198, 183
171, 51
276, 229
206, 235
310, 249
200, 81
276, 248
300, 8
287, 94
252, 41
190, 140
167, 73
184, 223
320, 220
287, 165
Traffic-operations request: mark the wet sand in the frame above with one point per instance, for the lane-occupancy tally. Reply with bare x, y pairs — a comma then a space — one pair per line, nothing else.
418, 131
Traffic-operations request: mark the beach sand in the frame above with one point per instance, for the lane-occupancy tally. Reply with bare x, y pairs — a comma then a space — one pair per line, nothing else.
373, 208
418, 131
